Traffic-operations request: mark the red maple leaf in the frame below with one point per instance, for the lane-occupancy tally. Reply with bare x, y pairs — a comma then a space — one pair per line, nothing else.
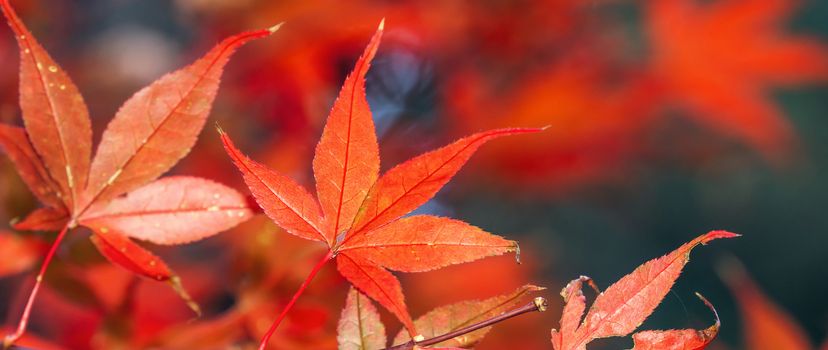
720, 60
357, 214
150, 133
621, 308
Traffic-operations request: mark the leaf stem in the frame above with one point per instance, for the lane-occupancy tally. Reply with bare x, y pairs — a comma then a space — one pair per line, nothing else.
299, 292
538, 304
24, 319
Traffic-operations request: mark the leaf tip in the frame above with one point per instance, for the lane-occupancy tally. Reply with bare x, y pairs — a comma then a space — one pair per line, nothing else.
178, 287
220, 130
275, 28
543, 128
718, 234
381, 26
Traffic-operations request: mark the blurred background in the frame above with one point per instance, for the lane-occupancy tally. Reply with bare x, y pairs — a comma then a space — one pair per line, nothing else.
667, 119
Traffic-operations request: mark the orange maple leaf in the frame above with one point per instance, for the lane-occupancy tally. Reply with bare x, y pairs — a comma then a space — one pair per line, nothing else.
357, 213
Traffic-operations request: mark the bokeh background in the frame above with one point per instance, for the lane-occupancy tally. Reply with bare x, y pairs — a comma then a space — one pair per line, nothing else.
667, 118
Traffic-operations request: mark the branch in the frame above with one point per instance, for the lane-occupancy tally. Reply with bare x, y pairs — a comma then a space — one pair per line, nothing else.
538, 304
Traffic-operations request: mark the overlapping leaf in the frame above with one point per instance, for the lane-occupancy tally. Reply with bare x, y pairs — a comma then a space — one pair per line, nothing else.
449, 318
16, 145
678, 339
149, 134
172, 210
355, 209
360, 327
43, 219
622, 307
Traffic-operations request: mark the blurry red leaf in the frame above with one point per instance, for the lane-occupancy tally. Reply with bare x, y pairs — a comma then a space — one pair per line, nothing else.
54, 113
172, 210
43, 219
587, 141
18, 253
158, 125
346, 161
622, 307
360, 327
422, 243
15, 143
449, 318
765, 325
678, 339
345, 168
216, 333
747, 54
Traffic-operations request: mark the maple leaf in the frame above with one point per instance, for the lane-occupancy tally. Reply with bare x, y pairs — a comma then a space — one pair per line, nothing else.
678, 339
360, 326
622, 307
746, 54
149, 134
356, 211
766, 325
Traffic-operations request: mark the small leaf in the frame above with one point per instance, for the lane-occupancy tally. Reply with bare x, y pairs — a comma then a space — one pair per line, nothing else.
622, 307
15, 143
360, 327
574, 307
287, 203
409, 185
158, 125
172, 210
377, 283
422, 243
120, 250
43, 219
449, 318
678, 339
54, 113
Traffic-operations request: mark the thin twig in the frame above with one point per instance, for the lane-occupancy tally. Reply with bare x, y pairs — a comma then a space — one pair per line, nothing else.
538, 304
